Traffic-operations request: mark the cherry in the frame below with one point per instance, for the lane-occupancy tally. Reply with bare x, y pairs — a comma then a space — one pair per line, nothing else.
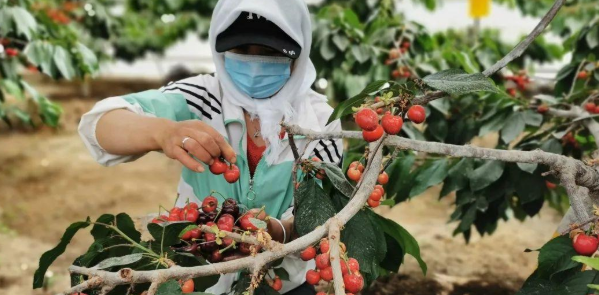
417, 114
582, 75
308, 253
216, 256
405, 45
160, 219
372, 136
354, 174
353, 283
375, 196
187, 287
550, 185
590, 107
391, 124
173, 218
209, 204
585, 245
196, 233
175, 211
218, 167
230, 207
324, 246
277, 284
373, 204
367, 119
186, 236
232, 174
312, 277
395, 74
383, 178
245, 222
226, 222
512, 92
394, 53
542, 109
190, 215
192, 205
326, 274
321, 174
316, 159
322, 261
344, 268
245, 248
12, 51
227, 242
596, 110
358, 165
353, 264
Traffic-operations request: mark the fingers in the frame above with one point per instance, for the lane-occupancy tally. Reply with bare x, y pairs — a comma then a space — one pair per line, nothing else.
197, 149
226, 151
207, 142
182, 156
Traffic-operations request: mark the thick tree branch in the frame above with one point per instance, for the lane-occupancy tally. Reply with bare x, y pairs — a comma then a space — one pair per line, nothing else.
335, 256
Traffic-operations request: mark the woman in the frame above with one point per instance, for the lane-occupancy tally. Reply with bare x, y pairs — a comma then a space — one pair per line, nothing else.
261, 49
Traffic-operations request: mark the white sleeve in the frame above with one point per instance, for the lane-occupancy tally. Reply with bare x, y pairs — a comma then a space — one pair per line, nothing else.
87, 130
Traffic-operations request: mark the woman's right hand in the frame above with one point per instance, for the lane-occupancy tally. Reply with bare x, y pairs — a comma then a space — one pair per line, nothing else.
204, 143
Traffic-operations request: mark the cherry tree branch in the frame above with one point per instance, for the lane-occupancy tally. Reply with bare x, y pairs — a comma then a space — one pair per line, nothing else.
335, 256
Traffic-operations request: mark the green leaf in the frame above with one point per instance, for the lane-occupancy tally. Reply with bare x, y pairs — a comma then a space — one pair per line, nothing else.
532, 118
341, 42
64, 62
352, 18
432, 175
576, 284
169, 288
552, 146
346, 107
41, 53
403, 237
513, 128
466, 60
26, 24
589, 261
337, 178
556, 256
457, 82
88, 57
485, 175
401, 180
361, 52
313, 207
119, 261
12, 88
495, 124
527, 167
258, 223
592, 37
282, 273
169, 231
326, 49
457, 176
6, 19
50, 256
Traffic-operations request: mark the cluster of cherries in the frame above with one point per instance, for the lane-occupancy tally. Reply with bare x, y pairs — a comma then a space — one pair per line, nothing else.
368, 120
10, 52
519, 80
350, 268
591, 107
215, 247
394, 55
229, 171
354, 172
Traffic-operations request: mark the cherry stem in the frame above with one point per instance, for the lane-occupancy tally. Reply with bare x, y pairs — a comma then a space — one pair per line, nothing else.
227, 248
219, 194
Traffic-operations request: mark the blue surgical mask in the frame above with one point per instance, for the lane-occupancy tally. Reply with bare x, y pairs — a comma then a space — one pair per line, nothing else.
258, 76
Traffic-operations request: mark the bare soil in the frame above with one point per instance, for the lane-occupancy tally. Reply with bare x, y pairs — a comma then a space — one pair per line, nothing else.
48, 180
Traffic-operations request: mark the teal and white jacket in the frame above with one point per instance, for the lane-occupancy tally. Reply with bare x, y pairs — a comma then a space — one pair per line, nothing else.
200, 98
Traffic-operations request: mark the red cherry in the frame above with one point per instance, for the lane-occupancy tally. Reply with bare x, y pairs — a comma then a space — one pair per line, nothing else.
308, 253
405, 45
354, 174
186, 236
550, 185
367, 119
316, 159
391, 124
209, 204
246, 224
324, 246
373, 204
196, 233
372, 136
380, 188
160, 219
512, 92
394, 53
226, 222
344, 267
277, 284
395, 74
353, 283
245, 248
583, 75
353, 264
417, 114
585, 245
357, 164
322, 261
175, 211
312, 277
590, 107
187, 287
218, 167
596, 110
173, 218
375, 196
12, 51
216, 256
232, 174
326, 274
190, 215
192, 205
542, 109
383, 178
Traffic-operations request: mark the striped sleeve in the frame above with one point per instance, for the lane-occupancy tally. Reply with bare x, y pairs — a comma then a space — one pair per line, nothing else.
198, 94
330, 150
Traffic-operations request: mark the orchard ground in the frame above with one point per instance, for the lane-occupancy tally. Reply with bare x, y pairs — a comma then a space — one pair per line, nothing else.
48, 180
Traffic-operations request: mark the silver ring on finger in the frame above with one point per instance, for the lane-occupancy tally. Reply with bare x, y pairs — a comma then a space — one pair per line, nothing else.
183, 141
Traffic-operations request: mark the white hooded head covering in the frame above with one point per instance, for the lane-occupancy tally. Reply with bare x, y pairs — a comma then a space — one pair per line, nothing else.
293, 17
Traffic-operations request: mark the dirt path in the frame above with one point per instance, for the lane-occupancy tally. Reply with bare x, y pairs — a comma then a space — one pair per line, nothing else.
47, 181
